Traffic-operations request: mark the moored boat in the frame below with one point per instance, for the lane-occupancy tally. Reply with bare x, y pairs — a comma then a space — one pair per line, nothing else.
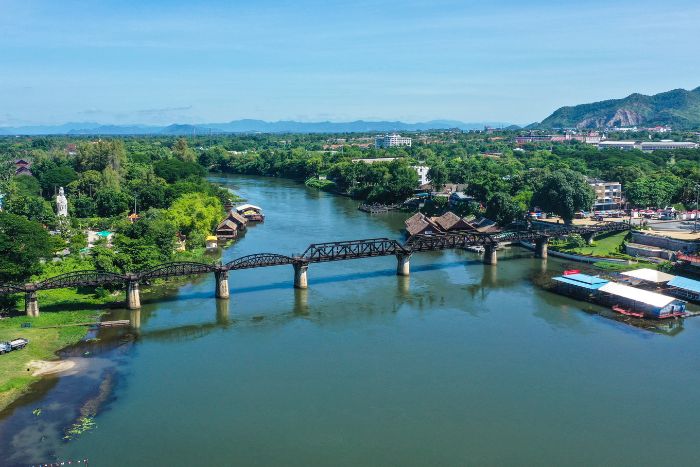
627, 312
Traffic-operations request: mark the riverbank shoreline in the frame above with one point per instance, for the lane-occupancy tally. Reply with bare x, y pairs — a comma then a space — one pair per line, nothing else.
61, 323
48, 335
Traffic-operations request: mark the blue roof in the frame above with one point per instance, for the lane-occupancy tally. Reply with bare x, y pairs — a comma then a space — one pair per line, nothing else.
685, 283
582, 280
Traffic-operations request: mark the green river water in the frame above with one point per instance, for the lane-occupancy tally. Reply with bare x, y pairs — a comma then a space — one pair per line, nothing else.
460, 364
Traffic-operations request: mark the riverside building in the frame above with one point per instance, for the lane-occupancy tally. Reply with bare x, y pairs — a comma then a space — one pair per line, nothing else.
390, 141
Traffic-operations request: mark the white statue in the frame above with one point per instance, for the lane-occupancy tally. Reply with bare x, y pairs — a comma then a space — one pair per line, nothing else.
61, 204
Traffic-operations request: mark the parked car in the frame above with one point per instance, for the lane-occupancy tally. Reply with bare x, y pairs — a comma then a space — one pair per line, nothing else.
15, 344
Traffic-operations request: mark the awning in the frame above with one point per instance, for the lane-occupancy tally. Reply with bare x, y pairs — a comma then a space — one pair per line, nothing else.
637, 295
649, 275
685, 283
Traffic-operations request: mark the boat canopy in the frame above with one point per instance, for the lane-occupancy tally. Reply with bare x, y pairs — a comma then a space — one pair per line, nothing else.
649, 275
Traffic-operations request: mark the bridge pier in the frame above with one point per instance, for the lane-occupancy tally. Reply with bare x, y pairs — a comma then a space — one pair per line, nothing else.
133, 296
541, 248
31, 303
222, 290
490, 256
300, 279
403, 265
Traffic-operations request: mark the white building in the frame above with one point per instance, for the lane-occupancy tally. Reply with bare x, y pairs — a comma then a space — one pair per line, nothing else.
626, 145
608, 195
390, 141
667, 144
422, 171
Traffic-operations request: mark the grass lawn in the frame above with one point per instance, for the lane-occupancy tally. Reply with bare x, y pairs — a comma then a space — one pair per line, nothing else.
603, 246
43, 345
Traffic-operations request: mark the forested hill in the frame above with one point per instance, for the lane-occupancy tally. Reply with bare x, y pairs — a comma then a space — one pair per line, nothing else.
678, 108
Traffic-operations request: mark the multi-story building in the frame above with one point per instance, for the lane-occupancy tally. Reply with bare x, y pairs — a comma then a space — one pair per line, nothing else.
648, 146
390, 141
626, 145
422, 171
666, 145
608, 195
533, 139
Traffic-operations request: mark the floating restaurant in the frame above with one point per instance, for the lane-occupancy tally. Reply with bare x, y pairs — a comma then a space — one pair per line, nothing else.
621, 298
251, 212
677, 286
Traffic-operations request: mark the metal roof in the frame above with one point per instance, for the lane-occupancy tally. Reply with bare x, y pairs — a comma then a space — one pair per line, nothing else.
638, 295
244, 207
588, 279
685, 283
582, 280
650, 275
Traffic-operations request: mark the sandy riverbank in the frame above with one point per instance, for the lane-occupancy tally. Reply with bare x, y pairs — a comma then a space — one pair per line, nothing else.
45, 368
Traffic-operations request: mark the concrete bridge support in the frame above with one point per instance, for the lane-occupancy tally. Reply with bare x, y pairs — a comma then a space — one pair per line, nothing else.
541, 247
133, 296
222, 290
403, 265
31, 304
490, 256
300, 279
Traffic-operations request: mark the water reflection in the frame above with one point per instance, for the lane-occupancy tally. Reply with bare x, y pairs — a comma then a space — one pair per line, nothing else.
222, 311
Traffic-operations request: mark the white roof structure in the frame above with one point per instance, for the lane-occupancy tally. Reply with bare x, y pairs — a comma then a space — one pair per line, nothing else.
650, 275
244, 207
638, 295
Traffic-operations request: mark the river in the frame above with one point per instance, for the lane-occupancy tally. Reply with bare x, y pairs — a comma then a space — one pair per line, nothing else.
459, 364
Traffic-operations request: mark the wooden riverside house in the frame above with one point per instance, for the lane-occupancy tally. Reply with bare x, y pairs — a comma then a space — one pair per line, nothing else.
231, 226
419, 223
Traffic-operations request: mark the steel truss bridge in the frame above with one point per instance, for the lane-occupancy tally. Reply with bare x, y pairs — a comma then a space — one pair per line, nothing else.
315, 253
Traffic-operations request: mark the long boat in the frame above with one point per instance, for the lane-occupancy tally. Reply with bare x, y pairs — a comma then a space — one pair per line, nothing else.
627, 312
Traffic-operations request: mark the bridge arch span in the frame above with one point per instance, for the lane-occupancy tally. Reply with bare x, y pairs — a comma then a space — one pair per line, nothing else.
259, 260
7, 288
81, 279
175, 269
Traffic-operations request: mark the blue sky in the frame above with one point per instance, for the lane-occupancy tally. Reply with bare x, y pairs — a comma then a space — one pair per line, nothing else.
159, 62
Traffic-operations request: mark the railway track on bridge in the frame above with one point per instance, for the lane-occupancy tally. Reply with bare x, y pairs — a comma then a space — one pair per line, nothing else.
315, 253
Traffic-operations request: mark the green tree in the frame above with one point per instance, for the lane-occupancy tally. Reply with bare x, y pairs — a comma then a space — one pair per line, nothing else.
196, 215
33, 208
438, 175
564, 193
59, 176
656, 191
23, 244
82, 206
173, 170
111, 202
502, 209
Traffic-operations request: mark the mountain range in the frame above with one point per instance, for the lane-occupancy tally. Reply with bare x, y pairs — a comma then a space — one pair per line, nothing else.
678, 108
246, 126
